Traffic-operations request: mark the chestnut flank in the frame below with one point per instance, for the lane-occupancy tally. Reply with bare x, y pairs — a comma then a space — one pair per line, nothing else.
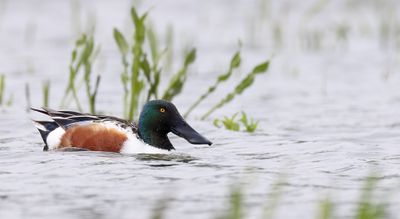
94, 137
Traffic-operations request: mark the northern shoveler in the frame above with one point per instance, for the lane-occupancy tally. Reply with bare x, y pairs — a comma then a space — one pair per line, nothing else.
71, 129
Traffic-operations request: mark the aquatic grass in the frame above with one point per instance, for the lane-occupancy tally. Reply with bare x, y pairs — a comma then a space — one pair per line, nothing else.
342, 32
236, 204
71, 87
169, 54
75, 8
274, 197
3, 91
229, 123
153, 72
234, 124
249, 123
326, 209
159, 210
265, 9
46, 91
82, 59
10, 100
2, 87
178, 80
277, 35
29, 35
153, 44
368, 207
88, 56
124, 49
142, 70
136, 83
311, 39
236, 207
316, 8
234, 64
240, 88
28, 97
131, 77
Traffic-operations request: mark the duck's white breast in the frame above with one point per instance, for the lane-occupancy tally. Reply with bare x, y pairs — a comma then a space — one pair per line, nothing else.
136, 146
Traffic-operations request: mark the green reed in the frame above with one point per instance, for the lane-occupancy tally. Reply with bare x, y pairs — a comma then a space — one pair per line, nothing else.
275, 195
249, 123
160, 209
132, 74
10, 99
169, 54
368, 207
141, 72
82, 59
229, 123
124, 49
141, 69
178, 80
46, 93
326, 209
236, 204
153, 72
76, 8
235, 124
240, 88
235, 63
136, 84
2, 87
28, 97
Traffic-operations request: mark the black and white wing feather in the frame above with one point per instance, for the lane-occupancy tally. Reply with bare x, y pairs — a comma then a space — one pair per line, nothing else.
66, 119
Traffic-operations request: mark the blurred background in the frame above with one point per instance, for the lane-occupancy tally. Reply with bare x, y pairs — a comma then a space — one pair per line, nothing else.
327, 107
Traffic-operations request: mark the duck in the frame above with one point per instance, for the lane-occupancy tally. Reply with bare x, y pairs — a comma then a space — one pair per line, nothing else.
83, 131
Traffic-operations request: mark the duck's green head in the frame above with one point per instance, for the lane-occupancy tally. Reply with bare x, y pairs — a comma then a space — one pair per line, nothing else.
160, 117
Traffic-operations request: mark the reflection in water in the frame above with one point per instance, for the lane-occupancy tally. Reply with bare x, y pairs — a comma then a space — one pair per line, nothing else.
183, 158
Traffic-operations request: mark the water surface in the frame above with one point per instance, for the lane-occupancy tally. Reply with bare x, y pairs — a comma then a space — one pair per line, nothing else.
329, 109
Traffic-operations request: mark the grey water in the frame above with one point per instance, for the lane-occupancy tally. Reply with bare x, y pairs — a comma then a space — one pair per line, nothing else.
328, 108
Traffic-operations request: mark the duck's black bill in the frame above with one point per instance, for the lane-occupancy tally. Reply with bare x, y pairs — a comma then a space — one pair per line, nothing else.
182, 129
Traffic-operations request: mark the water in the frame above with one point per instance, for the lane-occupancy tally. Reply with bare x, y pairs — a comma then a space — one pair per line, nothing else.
328, 109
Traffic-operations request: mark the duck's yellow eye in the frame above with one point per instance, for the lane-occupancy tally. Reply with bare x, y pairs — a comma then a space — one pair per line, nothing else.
162, 109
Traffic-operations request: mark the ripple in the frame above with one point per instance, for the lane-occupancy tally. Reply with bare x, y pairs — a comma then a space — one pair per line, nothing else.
182, 158
162, 165
257, 156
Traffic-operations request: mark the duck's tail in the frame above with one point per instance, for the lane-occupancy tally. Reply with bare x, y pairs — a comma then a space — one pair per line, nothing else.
44, 128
